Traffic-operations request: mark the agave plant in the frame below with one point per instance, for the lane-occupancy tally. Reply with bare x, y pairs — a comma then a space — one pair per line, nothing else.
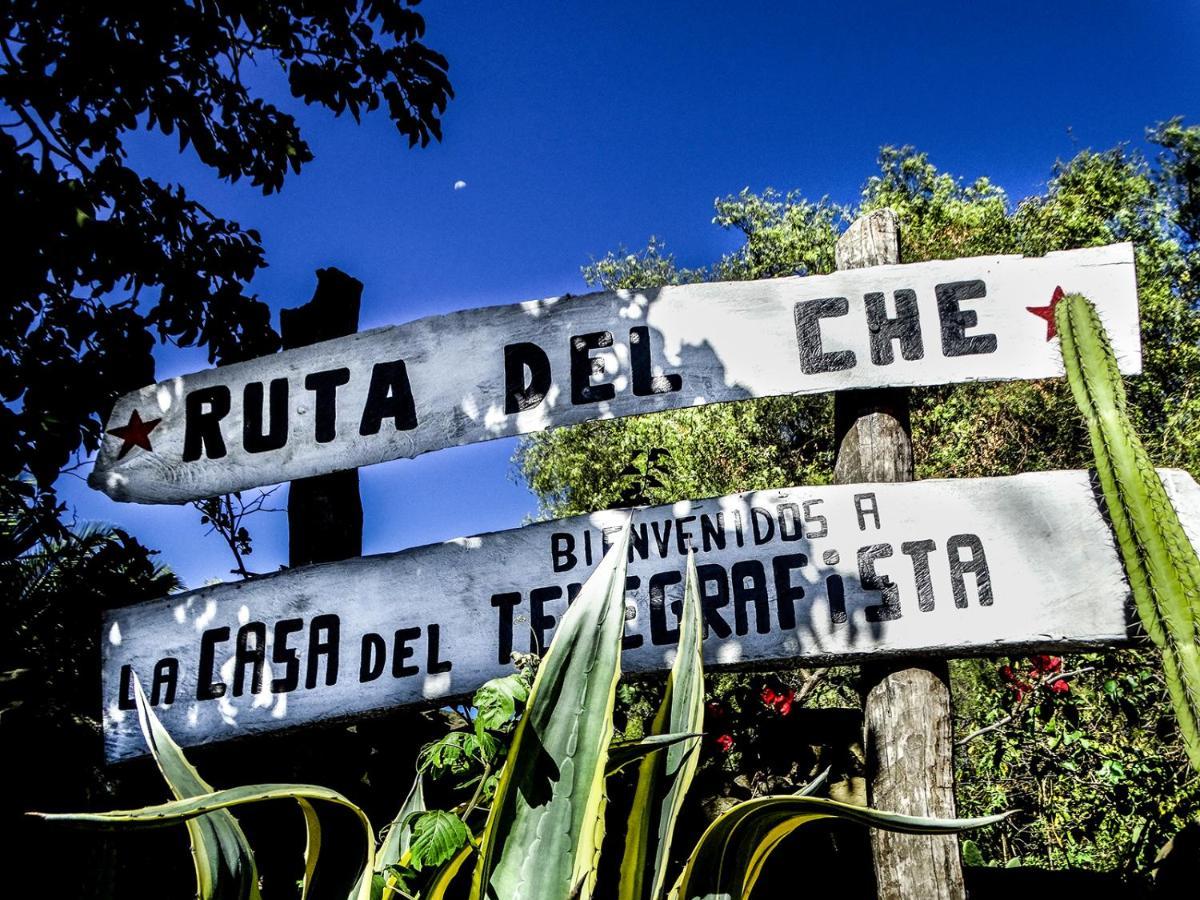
545, 828
1162, 566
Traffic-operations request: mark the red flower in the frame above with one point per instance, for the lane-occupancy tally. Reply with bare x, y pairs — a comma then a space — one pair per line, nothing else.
1046, 664
1006, 673
715, 710
768, 696
1060, 686
725, 742
784, 702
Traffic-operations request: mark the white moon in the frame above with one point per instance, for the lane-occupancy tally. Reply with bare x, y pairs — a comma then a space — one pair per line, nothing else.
459, 185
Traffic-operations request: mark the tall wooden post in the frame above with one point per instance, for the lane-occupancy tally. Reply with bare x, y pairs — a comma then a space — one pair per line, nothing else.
325, 516
906, 707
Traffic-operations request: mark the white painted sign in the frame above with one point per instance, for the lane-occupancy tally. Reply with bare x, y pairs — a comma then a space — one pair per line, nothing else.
487, 373
820, 575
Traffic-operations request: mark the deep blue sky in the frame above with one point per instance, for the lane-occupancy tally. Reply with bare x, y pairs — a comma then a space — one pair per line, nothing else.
581, 127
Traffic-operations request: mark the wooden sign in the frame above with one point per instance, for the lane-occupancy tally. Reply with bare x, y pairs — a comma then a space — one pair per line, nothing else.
487, 373
820, 575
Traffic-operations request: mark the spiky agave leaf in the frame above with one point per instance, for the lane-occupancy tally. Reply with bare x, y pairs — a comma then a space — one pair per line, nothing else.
397, 836
730, 856
543, 832
223, 859
664, 776
224, 862
1160, 562
193, 808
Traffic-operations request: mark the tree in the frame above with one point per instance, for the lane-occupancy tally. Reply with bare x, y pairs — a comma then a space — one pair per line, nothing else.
102, 261
1113, 714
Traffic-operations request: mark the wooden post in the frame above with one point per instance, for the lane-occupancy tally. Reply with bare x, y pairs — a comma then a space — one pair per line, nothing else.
906, 707
325, 516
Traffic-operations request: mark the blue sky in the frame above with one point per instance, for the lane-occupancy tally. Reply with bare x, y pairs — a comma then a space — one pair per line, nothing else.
581, 127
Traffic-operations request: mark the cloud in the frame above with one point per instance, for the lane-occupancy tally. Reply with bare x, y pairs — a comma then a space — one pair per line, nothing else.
459, 185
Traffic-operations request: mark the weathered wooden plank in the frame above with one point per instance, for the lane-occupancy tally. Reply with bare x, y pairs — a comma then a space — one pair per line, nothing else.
906, 704
486, 373
820, 575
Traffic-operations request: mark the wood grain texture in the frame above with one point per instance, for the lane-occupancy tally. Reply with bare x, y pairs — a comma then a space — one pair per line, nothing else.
906, 707
813, 575
603, 356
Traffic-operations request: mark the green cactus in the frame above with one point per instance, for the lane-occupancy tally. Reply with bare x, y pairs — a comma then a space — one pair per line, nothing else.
1162, 566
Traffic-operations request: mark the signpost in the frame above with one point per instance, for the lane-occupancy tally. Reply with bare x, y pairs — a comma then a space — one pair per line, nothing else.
815, 575
487, 373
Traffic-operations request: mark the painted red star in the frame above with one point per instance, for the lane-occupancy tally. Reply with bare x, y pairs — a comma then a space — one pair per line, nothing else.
136, 433
1047, 313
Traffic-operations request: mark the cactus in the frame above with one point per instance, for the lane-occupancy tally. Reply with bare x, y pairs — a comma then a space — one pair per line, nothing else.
1160, 562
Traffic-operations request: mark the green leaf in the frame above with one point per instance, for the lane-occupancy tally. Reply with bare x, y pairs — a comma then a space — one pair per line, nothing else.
398, 835
197, 807
971, 854
730, 856
546, 821
312, 845
665, 775
625, 752
496, 702
437, 836
221, 853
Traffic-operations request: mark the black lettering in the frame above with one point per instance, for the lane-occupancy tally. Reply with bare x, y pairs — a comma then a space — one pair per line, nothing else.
207, 687
813, 359
660, 632
750, 586
956, 321
662, 541
863, 510
253, 437
977, 565
683, 538
250, 655
562, 551
283, 655
323, 636
809, 518
711, 602
526, 376
325, 385
539, 620
645, 382
711, 533
166, 677
790, 528
434, 665
373, 657
905, 328
388, 397
919, 552
639, 541
203, 412
871, 580
787, 593
757, 516
835, 588
401, 651
584, 367
505, 603
126, 700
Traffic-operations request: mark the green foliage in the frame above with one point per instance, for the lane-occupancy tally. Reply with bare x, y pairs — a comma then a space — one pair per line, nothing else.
1160, 562
105, 259
968, 430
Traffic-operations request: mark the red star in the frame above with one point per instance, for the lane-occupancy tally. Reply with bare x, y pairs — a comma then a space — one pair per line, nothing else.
136, 432
1047, 313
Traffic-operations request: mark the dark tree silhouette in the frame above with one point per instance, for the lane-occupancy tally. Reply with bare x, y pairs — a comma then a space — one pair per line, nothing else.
100, 260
